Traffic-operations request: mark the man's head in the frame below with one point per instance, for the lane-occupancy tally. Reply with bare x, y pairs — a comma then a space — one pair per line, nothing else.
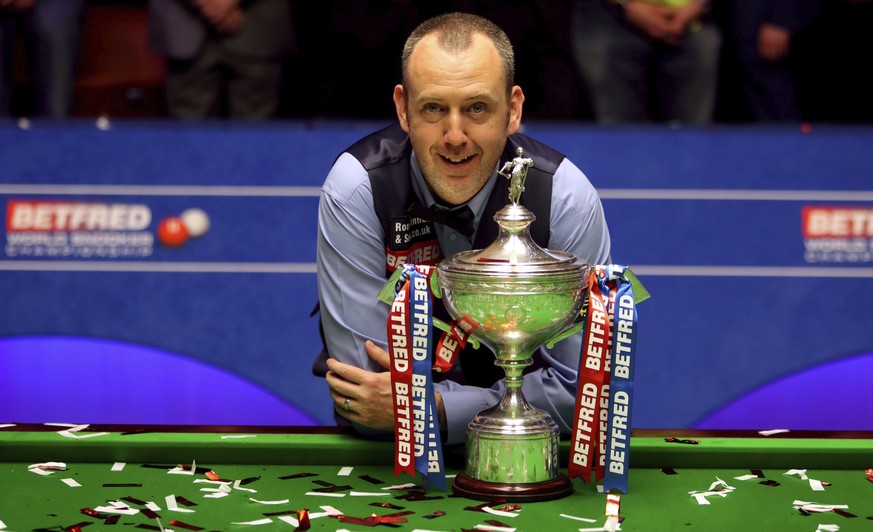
458, 102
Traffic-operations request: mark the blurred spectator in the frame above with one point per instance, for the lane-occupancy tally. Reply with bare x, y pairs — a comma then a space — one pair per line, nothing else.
760, 51
51, 31
647, 60
224, 57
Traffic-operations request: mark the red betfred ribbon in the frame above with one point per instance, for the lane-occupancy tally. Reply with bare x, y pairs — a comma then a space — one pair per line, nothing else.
451, 343
593, 385
401, 381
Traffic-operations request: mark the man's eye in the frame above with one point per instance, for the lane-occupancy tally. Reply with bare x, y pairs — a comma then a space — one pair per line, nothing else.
477, 108
431, 108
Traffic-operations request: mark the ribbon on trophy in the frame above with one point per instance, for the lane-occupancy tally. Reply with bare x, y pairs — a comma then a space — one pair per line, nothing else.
601, 433
418, 446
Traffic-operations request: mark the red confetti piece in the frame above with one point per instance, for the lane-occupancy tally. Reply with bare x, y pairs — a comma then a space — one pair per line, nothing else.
112, 519
212, 475
844, 513
298, 475
77, 527
434, 515
303, 519
772, 483
183, 501
510, 508
181, 524
133, 500
494, 522
148, 527
93, 513
869, 473
386, 505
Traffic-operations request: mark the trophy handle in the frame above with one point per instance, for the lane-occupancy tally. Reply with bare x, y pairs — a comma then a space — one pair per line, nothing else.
566, 333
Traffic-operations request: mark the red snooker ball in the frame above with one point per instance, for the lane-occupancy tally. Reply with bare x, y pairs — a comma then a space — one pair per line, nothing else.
172, 232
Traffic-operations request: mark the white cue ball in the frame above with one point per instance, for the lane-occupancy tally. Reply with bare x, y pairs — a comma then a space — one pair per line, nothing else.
196, 222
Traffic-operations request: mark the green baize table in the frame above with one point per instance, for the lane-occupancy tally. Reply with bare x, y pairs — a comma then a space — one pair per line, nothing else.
257, 478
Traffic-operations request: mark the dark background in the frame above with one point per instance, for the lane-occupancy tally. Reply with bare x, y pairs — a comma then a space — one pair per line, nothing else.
347, 60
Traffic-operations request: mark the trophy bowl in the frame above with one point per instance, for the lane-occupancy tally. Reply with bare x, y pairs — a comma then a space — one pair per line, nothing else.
517, 296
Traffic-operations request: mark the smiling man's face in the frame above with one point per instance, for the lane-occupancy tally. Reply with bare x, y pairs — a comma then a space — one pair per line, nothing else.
457, 112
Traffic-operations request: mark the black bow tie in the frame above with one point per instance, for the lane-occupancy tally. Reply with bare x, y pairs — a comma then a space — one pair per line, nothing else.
458, 218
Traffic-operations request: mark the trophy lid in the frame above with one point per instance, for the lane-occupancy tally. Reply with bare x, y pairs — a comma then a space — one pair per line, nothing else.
514, 251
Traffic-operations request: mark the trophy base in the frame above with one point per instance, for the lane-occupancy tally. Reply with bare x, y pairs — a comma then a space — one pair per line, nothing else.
548, 490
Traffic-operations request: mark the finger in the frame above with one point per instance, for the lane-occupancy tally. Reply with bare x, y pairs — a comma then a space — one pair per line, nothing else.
345, 371
340, 386
378, 354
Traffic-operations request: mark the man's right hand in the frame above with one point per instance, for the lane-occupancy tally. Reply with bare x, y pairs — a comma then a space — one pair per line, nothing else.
655, 20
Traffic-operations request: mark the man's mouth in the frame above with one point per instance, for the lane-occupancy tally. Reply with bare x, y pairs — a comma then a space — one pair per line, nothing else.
457, 160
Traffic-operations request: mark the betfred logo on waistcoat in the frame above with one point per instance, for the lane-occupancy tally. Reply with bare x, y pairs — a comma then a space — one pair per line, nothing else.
838, 234
411, 240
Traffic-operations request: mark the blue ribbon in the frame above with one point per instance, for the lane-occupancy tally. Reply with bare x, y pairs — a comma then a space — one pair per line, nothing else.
428, 445
624, 339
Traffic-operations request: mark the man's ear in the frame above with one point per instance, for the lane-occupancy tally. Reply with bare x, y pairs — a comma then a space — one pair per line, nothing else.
516, 102
400, 105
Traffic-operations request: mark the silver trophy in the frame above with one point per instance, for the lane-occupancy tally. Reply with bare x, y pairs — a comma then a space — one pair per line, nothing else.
518, 296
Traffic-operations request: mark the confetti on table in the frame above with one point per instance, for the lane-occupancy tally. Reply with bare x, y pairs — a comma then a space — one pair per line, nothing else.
400, 486
368, 494
345, 471
2, 525
256, 522
173, 506
47, 468
118, 466
772, 432
812, 507
494, 528
237, 436
71, 482
325, 494
116, 507
282, 501
827, 528
585, 519
719, 487
492, 511
6, 426
184, 470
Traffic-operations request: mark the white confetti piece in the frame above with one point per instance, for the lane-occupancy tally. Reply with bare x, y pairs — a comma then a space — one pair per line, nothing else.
799, 472
6, 426
153, 506
584, 519
400, 486
771, 432
494, 528
283, 501
173, 506
256, 522
68, 425
827, 528
237, 485
237, 436
328, 511
345, 471
325, 494
71, 482
78, 436
288, 519
501, 513
815, 507
217, 495
746, 477
179, 470
122, 510
118, 466
368, 494
2, 525
47, 468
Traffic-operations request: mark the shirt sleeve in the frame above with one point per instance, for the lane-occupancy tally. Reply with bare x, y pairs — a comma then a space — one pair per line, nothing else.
578, 225
350, 265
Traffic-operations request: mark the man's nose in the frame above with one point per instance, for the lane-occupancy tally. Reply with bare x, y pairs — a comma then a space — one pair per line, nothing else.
455, 129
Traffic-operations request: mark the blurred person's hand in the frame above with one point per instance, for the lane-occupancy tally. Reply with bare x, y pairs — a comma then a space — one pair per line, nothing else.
774, 42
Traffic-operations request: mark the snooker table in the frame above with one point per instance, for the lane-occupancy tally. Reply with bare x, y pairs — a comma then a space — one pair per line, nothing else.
266, 474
